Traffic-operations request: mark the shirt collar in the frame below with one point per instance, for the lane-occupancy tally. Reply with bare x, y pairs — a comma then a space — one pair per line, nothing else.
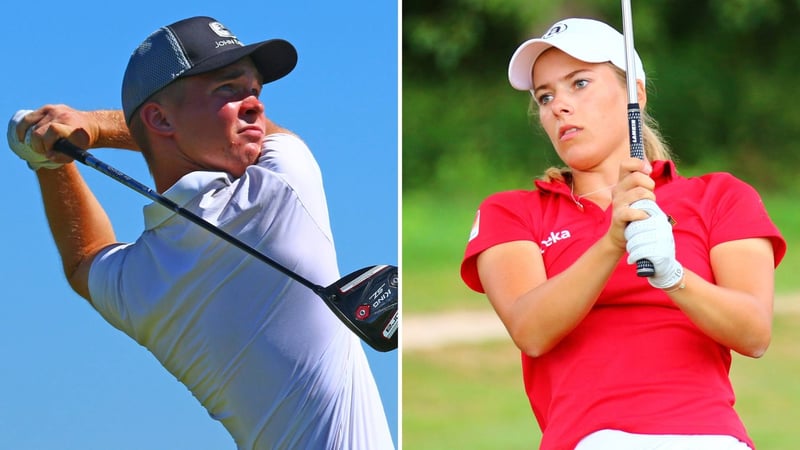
663, 172
182, 192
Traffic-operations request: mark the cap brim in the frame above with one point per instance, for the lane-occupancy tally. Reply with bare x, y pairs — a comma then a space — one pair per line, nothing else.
521, 65
274, 59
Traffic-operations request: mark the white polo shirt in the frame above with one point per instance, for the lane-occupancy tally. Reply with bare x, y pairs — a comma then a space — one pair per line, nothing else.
262, 353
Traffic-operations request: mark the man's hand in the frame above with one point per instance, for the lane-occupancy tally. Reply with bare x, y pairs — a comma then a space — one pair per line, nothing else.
652, 239
21, 145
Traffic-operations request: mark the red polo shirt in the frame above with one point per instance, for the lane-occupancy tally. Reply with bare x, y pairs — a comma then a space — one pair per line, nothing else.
636, 363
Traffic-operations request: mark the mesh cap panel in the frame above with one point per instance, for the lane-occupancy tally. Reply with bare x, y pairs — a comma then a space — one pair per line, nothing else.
165, 62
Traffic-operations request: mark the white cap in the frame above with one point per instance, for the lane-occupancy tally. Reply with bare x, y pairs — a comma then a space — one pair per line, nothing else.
584, 39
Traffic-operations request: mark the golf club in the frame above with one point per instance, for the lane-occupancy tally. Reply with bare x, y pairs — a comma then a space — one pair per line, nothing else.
366, 300
644, 268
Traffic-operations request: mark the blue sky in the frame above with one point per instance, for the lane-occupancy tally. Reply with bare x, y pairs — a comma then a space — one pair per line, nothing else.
70, 380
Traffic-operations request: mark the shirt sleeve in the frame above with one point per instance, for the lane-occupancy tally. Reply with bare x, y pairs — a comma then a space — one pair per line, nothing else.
105, 289
739, 213
289, 157
501, 218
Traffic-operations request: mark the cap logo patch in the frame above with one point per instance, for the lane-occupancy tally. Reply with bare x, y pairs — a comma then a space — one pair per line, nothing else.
554, 30
220, 30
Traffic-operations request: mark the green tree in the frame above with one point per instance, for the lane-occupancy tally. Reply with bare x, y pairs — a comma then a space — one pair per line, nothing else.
721, 84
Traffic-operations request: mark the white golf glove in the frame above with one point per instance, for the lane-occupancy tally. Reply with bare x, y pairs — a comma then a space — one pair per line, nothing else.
652, 239
23, 149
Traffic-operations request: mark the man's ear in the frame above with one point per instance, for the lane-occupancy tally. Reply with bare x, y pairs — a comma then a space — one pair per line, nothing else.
642, 93
155, 118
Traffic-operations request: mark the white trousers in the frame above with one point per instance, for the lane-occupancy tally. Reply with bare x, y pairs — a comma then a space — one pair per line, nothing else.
620, 440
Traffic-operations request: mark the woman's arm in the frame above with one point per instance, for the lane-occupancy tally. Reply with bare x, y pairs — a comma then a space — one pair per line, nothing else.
737, 310
539, 312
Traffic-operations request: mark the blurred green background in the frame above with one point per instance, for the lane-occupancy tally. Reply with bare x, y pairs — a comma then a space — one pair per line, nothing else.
721, 83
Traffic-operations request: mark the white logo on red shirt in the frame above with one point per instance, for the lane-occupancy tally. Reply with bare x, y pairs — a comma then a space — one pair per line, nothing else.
555, 237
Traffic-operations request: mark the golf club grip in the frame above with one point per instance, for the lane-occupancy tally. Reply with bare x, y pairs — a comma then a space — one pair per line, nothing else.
644, 268
73, 151
635, 128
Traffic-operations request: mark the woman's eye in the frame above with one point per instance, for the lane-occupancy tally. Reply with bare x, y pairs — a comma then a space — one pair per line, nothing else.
545, 99
581, 83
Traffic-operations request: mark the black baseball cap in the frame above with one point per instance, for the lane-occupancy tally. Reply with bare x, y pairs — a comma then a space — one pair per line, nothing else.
193, 46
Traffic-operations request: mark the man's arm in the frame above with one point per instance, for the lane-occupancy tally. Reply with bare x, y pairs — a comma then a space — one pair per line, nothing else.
86, 129
89, 129
112, 130
273, 128
79, 225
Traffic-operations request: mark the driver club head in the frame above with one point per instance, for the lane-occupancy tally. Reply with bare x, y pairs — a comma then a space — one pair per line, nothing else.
367, 302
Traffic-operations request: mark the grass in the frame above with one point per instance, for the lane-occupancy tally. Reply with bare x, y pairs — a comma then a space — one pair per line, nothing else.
471, 396
767, 389
783, 211
434, 236
466, 397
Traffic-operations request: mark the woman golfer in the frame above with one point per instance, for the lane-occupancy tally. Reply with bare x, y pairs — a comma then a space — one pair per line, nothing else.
611, 360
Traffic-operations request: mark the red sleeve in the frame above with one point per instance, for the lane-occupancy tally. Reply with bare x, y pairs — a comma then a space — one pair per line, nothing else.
502, 217
739, 213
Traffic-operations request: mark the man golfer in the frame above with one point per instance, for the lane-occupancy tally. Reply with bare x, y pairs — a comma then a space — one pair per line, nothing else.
262, 353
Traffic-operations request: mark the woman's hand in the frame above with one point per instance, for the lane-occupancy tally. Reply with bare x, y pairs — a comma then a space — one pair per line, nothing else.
634, 184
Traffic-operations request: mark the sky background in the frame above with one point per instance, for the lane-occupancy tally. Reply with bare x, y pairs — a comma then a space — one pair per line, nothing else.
70, 380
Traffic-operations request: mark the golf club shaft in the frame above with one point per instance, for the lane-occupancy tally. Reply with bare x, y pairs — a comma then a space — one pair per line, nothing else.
644, 268
84, 157
630, 77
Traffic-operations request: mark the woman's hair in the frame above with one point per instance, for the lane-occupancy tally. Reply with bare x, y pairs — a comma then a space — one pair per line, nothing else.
655, 147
